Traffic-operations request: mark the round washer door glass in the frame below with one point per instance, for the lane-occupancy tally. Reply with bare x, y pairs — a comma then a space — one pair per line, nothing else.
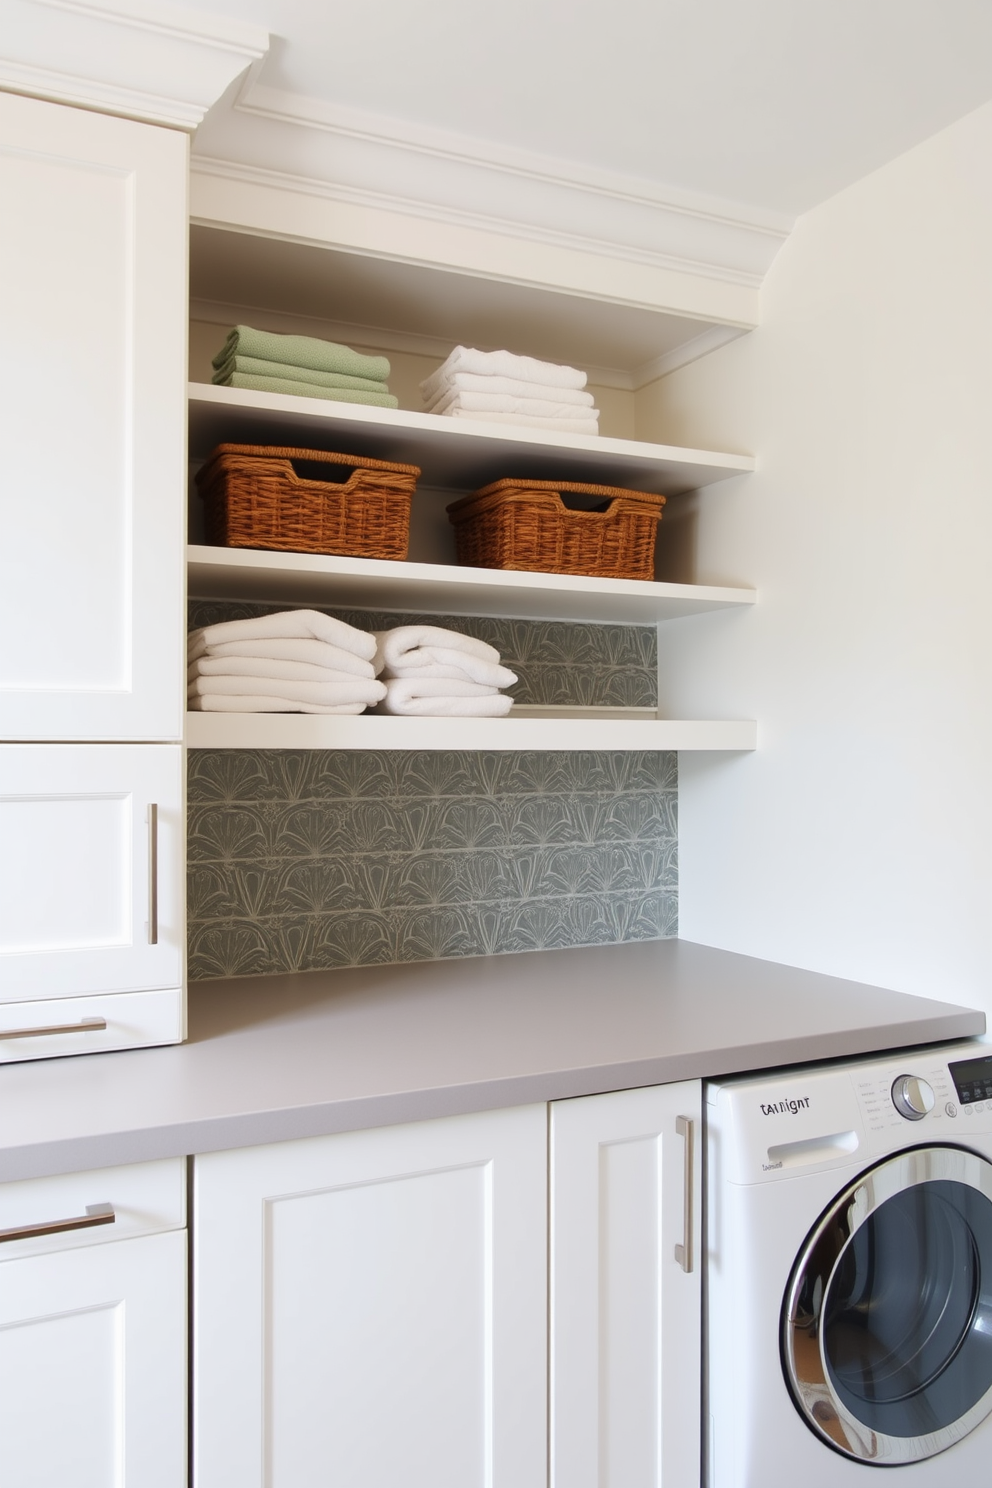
887, 1319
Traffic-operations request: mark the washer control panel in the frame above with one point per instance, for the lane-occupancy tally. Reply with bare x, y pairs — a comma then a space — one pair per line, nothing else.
972, 1081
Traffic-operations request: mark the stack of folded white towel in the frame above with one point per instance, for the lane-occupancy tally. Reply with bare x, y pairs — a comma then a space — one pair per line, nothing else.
297, 661
439, 673
498, 387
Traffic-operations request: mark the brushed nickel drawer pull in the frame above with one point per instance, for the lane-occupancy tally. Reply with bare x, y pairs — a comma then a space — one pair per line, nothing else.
96, 1214
686, 1128
87, 1025
152, 873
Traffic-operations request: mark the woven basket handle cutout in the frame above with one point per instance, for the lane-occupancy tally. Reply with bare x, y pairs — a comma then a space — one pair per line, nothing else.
574, 501
319, 470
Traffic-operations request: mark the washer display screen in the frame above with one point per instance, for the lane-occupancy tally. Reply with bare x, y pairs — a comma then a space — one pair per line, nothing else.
972, 1079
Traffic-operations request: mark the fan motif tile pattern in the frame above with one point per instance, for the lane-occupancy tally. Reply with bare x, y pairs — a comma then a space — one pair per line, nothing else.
306, 859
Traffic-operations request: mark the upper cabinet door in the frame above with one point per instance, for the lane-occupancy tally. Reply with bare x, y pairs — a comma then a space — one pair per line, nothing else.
92, 417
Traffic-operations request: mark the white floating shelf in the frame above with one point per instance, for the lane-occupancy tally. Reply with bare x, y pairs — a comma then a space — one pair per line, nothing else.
454, 454
435, 588
372, 731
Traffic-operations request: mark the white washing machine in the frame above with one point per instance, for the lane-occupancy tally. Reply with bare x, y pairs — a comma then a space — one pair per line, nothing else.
848, 1274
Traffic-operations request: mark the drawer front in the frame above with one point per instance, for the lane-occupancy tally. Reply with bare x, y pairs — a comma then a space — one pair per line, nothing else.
145, 1199
90, 1025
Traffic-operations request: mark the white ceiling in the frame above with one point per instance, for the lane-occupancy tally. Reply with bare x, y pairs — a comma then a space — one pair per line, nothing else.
772, 105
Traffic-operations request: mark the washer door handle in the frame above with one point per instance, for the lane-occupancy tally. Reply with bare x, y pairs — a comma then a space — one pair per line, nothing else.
686, 1128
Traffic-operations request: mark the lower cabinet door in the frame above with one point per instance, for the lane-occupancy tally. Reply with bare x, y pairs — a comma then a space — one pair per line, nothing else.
370, 1309
625, 1302
93, 1366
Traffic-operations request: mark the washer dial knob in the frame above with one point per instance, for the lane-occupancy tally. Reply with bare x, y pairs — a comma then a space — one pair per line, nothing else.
912, 1097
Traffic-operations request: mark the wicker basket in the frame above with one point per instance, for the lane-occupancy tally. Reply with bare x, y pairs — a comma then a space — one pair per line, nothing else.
254, 498
526, 525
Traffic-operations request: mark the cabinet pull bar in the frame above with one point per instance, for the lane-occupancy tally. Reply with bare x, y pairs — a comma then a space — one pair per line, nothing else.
87, 1025
686, 1128
96, 1214
152, 873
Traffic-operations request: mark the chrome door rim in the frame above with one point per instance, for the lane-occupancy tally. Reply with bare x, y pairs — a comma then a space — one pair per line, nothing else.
806, 1373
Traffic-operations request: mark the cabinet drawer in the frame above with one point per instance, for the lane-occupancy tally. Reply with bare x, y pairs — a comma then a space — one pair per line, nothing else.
72, 1025
146, 1198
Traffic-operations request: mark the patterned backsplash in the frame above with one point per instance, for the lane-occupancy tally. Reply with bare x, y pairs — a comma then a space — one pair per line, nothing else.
306, 859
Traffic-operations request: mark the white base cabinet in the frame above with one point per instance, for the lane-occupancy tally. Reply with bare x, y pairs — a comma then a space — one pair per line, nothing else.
370, 1309
93, 1331
625, 1310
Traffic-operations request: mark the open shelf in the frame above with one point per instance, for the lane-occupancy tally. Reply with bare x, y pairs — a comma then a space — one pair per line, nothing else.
524, 732
453, 454
440, 589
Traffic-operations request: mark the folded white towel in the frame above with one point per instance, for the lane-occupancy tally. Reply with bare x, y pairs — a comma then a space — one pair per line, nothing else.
313, 653
567, 426
264, 666
502, 364
477, 382
548, 407
327, 694
434, 697
222, 703
396, 647
291, 624
470, 669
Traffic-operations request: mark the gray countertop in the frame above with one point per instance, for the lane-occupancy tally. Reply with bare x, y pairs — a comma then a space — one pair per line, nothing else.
272, 1058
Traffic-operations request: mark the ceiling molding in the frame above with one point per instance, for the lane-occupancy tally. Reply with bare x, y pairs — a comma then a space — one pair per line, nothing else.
145, 59
350, 156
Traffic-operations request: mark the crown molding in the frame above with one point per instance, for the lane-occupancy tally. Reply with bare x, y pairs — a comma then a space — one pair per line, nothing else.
146, 59
358, 158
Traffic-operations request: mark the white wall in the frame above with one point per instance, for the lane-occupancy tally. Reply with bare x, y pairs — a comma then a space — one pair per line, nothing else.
858, 839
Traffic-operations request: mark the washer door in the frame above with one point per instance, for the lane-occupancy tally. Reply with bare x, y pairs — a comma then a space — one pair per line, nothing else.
887, 1319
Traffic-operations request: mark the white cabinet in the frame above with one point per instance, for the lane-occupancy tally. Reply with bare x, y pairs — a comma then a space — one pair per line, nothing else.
625, 1306
93, 1330
92, 424
370, 1309
91, 896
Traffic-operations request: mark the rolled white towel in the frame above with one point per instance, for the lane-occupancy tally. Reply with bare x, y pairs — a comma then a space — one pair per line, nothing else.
224, 703
547, 407
477, 382
502, 364
436, 697
287, 624
309, 652
398, 647
361, 690
566, 426
263, 666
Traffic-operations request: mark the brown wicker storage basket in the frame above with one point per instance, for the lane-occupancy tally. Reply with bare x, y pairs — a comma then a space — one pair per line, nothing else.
254, 498
526, 525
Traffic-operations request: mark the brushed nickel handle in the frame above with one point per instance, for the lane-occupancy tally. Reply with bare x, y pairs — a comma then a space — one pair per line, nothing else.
686, 1128
96, 1214
152, 873
87, 1025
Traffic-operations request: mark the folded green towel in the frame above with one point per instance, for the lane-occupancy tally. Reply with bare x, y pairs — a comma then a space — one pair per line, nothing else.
301, 351
310, 390
259, 368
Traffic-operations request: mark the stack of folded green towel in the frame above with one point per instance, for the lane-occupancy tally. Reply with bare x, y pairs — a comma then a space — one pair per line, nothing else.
303, 366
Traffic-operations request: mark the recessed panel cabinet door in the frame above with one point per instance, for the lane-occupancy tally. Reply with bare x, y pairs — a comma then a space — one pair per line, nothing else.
93, 1366
91, 869
625, 1310
92, 424
370, 1309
